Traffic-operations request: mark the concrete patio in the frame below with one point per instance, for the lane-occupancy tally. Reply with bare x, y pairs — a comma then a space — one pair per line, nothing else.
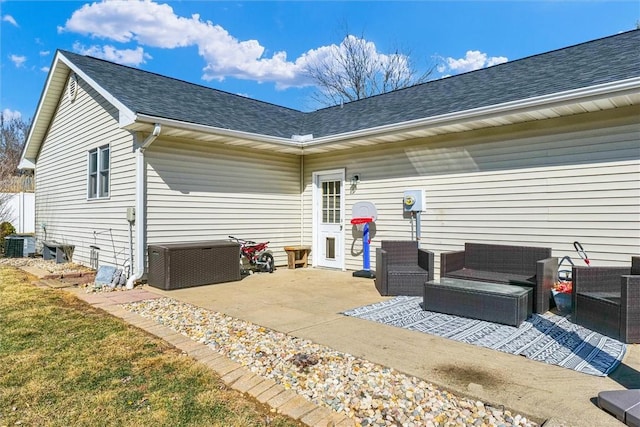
306, 303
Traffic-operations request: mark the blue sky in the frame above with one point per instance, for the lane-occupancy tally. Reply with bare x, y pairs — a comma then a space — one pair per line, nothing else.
259, 48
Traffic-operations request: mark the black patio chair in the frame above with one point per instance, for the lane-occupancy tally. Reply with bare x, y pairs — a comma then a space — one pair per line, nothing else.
402, 268
607, 300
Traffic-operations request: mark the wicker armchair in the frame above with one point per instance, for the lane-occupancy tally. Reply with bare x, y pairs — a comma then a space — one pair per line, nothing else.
402, 268
607, 300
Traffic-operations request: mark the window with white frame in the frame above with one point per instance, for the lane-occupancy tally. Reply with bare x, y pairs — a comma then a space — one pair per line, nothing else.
98, 173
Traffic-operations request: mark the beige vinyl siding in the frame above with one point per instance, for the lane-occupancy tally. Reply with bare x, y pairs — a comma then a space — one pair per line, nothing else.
542, 184
61, 180
198, 191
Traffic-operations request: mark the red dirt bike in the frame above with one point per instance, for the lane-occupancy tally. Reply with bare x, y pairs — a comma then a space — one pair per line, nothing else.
259, 258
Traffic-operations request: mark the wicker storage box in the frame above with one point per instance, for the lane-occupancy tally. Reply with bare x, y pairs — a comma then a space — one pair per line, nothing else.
184, 265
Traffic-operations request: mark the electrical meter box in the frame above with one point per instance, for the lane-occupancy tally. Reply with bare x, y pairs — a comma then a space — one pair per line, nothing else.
131, 214
413, 201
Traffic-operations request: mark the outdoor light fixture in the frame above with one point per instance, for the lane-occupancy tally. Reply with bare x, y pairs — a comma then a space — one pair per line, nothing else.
355, 179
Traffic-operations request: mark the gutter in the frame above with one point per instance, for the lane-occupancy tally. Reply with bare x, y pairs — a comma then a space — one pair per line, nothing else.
626, 87
144, 118
617, 88
141, 214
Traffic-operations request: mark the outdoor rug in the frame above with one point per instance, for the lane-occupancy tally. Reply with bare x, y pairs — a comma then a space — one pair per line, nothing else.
546, 338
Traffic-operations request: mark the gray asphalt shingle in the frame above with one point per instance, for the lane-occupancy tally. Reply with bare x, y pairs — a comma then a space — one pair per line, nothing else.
159, 96
600, 61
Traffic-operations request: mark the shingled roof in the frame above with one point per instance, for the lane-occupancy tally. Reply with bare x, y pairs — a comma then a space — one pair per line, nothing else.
601, 61
605, 60
565, 81
159, 96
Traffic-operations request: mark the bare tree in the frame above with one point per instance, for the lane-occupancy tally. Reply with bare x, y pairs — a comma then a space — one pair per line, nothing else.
356, 70
13, 135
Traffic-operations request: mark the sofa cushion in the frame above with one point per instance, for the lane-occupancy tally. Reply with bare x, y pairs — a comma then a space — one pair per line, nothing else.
633, 416
519, 260
611, 297
492, 276
618, 402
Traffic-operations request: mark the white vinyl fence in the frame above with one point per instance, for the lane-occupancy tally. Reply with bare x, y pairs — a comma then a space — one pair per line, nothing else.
19, 210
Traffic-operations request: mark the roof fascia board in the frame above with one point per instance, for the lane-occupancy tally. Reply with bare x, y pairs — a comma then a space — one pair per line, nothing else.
26, 162
61, 64
144, 118
577, 95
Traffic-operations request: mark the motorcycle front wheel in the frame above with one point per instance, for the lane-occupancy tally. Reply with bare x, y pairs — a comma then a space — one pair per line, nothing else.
267, 262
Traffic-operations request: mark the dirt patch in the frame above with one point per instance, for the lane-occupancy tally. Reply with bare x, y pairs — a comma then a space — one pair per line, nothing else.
465, 375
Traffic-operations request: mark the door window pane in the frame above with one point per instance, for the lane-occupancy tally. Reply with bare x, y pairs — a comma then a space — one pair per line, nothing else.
331, 202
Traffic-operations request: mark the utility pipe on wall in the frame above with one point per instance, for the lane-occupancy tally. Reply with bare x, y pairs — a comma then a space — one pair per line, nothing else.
141, 215
418, 228
301, 199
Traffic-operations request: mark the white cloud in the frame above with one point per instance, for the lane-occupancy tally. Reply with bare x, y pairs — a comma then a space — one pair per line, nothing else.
133, 57
44, 52
495, 60
147, 23
45, 69
10, 20
156, 25
143, 21
473, 60
8, 115
18, 60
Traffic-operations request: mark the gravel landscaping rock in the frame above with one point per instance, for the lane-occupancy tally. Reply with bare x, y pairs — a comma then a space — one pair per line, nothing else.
370, 394
49, 266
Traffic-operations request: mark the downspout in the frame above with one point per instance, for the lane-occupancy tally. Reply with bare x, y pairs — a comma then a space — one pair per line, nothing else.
302, 199
140, 212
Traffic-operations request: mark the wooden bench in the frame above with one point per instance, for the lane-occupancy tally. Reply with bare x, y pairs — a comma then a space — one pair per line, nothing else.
297, 255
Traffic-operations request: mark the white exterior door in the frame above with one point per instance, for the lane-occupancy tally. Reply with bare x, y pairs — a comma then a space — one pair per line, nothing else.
328, 218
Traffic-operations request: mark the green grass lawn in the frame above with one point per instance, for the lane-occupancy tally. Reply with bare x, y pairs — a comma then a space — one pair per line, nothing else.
65, 363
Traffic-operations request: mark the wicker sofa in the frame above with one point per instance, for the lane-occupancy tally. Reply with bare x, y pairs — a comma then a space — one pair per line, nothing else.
516, 265
402, 268
607, 300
